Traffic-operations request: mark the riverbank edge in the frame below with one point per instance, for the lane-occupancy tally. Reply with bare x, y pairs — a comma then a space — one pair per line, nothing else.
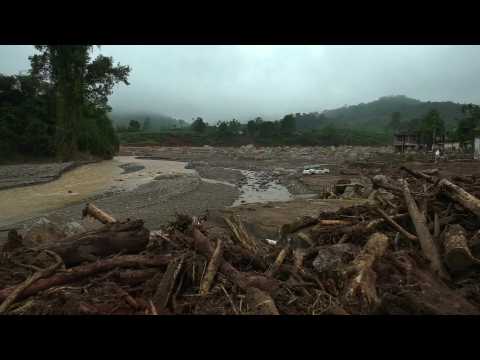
72, 166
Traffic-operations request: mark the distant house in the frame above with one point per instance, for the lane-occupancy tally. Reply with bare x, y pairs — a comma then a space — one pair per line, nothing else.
405, 142
451, 146
409, 141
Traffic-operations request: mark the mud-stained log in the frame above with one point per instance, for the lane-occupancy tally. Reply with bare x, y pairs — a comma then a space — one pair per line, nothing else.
128, 238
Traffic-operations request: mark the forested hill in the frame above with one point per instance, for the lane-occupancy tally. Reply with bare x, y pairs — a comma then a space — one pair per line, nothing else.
378, 113
154, 121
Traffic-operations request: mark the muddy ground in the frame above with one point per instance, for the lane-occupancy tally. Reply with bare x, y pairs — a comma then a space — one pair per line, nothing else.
157, 202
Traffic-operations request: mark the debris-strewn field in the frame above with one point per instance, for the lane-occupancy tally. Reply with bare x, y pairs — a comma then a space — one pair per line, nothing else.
411, 248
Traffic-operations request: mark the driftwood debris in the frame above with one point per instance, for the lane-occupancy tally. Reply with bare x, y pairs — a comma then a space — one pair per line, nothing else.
165, 287
82, 271
395, 225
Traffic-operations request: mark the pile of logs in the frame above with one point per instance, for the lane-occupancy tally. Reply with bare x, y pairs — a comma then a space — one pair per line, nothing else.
417, 253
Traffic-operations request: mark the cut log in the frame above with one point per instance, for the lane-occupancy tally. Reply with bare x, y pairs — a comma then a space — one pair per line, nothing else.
212, 268
459, 195
457, 253
98, 214
361, 288
396, 226
278, 261
129, 238
427, 244
80, 272
261, 302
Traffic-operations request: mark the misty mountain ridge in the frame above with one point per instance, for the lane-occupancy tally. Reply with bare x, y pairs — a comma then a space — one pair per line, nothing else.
372, 115
379, 112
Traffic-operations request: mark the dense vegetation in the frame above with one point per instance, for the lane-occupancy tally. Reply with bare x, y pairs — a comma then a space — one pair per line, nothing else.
60, 108
365, 124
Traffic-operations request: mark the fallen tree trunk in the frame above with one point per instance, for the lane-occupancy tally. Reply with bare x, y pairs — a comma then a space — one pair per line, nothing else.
396, 226
96, 213
130, 238
360, 289
80, 272
427, 244
418, 174
457, 253
459, 195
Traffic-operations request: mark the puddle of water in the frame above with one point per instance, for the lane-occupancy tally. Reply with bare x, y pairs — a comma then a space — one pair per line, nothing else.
79, 184
252, 193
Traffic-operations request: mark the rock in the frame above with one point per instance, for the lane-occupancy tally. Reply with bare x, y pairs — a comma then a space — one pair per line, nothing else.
73, 228
331, 257
43, 230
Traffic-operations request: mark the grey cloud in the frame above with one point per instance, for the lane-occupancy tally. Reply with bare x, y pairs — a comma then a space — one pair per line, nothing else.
225, 82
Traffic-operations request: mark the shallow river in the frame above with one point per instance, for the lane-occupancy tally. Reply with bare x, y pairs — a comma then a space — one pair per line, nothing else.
79, 184
123, 173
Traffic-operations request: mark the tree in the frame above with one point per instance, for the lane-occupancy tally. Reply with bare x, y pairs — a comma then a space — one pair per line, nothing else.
466, 126
431, 126
134, 125
199, 125
395, 121
223, 129
287, 124
252, 128
80, 87
146, 124
267, 129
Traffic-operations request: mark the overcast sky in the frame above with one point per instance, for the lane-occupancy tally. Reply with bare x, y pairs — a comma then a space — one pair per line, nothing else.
225, 82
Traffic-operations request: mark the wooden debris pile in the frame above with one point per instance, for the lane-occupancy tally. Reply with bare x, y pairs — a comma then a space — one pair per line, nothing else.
414, 251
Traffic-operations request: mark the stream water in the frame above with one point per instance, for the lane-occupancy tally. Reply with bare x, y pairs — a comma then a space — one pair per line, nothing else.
123, 173
81, 183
